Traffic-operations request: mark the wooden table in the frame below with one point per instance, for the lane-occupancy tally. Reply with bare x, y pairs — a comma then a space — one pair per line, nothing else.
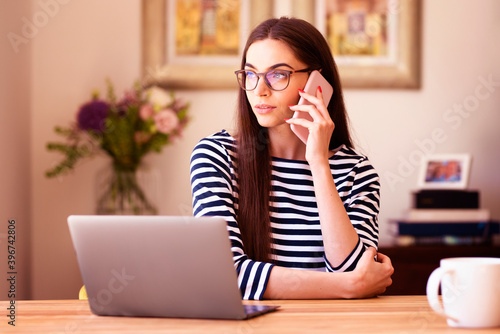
385, 314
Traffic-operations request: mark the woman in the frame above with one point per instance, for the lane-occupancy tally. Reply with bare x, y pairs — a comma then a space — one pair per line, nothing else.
284, 209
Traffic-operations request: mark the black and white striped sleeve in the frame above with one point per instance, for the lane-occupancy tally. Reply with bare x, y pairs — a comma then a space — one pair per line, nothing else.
358, 185
212, 183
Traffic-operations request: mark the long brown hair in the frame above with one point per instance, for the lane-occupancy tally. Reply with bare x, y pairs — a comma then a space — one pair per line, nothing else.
254, 160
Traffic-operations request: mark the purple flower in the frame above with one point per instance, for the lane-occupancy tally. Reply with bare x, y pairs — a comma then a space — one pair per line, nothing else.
92, 115
127, 101
122, 109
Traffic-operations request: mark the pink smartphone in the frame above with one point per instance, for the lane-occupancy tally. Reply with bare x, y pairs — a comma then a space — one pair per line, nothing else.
315, 80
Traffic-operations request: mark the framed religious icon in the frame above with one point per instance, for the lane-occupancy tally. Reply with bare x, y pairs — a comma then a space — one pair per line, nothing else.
194, 44
375, 43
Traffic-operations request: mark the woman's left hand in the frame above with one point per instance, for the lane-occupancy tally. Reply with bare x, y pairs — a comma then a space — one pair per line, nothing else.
320, 128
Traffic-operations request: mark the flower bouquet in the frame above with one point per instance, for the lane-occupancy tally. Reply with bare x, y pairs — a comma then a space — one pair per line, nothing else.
126, 129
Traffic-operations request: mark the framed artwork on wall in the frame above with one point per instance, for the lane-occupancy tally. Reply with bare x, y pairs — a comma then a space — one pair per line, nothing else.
197, 44
445, 171
375, 43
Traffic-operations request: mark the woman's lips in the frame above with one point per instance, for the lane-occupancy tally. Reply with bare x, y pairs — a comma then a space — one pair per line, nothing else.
264, 108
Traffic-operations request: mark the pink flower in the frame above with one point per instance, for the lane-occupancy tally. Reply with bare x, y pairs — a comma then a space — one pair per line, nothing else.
166, 120
146, 112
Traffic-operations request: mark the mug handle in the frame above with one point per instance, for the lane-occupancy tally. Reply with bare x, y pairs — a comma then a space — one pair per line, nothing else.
433, 289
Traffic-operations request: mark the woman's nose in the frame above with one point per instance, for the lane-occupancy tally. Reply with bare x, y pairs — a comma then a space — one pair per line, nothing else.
262, 89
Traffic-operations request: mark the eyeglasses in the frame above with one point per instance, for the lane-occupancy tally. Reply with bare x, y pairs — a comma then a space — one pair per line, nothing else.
274, 79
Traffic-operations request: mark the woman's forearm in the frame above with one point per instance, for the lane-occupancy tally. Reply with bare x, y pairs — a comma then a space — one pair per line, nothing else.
369, 279
286, 283
339, 236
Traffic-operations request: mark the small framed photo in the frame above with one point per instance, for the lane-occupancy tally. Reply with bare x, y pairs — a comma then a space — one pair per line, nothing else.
445, 171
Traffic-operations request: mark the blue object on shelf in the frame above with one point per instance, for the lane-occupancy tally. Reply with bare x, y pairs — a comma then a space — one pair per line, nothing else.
479, 229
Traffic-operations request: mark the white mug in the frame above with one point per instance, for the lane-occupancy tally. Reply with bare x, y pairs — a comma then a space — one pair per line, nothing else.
470, 291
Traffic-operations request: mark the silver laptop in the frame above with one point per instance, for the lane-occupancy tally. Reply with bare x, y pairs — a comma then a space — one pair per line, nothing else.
159, 266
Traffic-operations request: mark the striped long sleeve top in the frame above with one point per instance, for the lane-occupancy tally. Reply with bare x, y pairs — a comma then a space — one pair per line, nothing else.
296, 240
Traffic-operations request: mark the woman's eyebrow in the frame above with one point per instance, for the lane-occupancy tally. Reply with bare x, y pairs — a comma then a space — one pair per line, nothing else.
271, 67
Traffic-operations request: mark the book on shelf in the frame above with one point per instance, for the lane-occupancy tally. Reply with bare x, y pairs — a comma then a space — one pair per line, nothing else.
441, 229
446, 199
447, 215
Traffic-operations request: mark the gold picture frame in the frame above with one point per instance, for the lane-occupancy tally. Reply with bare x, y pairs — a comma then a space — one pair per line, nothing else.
189, 72
402, 72
401, 67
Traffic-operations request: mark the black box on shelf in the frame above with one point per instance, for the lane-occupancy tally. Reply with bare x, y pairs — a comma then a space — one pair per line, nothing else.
446, 199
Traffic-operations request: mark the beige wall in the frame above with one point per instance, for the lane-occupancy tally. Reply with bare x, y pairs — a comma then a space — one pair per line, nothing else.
87, 41
15, 134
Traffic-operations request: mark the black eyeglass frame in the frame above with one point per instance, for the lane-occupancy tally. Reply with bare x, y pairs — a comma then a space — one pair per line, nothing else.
263, 75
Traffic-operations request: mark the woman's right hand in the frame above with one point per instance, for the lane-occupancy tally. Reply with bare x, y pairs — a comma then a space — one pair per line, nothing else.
371, 277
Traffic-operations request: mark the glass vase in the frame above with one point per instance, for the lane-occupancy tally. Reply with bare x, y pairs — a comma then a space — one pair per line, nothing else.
125, 191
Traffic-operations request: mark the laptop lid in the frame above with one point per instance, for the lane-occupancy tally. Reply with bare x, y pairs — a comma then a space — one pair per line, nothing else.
158, 266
